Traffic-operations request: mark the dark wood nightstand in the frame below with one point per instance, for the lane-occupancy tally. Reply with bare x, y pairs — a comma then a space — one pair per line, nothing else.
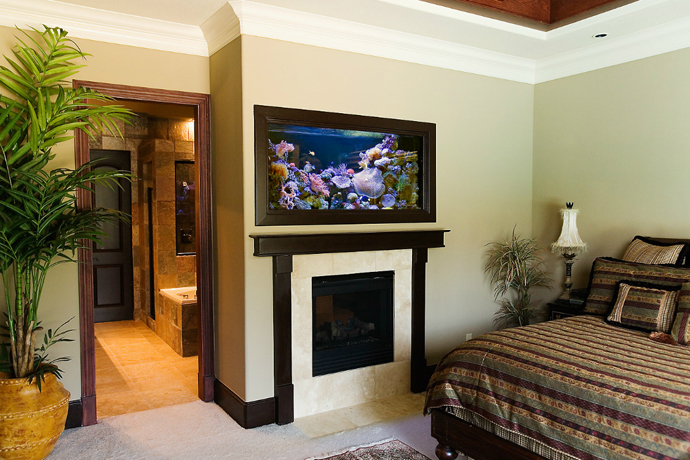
562, 309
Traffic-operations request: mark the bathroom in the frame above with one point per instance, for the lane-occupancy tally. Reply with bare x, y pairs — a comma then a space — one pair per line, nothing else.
146, 311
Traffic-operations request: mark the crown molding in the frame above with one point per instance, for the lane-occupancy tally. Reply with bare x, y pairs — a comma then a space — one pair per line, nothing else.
650, 42
105, 26
277, 23
221, 28
262, 20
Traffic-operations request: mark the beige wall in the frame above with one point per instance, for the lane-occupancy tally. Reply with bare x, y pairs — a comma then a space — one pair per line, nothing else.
228, 209
615, 141
112, 64
484, 174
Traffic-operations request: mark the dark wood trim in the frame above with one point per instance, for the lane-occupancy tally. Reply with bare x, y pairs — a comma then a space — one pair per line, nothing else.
202, 132
247, 415
74, 414
282, 339
264, 215
418, 375
324, 243
455, 434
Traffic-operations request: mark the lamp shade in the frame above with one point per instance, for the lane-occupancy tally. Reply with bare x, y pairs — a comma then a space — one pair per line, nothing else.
569, 242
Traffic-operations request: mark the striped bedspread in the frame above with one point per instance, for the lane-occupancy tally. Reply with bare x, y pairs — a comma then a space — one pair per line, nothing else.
572, 388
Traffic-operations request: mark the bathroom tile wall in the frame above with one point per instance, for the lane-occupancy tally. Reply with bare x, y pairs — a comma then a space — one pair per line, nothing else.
154, 145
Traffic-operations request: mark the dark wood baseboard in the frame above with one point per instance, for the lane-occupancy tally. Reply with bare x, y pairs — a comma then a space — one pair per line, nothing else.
247, 414
74, 412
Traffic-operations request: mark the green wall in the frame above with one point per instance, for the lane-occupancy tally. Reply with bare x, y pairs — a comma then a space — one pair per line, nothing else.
616, 141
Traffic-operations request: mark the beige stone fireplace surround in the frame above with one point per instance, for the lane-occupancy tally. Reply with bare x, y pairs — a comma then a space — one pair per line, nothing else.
314, 395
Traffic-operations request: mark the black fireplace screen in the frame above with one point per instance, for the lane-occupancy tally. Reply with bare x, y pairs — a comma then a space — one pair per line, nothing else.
352, 321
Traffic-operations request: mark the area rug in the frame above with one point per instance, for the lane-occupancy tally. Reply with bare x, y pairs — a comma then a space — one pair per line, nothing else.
382, 450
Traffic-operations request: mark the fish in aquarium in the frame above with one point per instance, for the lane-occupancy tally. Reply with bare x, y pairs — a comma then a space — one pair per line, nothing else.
381, 174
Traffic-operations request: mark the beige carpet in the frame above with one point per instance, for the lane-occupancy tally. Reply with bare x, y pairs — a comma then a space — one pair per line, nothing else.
200, 430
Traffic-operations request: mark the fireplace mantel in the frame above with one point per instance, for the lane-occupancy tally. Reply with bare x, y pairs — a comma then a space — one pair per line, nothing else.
281, 247
323, 243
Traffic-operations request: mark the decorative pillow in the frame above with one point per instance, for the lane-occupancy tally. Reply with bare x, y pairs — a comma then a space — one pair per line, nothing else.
607, 272
648, 251
603, 282
681, 325
644, 306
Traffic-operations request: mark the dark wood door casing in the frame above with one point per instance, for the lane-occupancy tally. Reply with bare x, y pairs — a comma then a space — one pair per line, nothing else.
204, 260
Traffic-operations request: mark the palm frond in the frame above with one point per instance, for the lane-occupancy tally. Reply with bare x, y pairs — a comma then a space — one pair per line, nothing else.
40, 224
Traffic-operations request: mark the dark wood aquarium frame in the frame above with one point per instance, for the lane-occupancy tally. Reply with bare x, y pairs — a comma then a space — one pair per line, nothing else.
263, 115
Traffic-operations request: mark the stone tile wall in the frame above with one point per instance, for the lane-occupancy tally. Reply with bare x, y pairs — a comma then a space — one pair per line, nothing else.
155, 144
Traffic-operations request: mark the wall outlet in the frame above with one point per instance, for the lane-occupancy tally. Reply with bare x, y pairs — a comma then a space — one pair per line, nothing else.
468, 336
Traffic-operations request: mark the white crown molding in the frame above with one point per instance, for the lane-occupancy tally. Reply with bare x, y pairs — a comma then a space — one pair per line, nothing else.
650, 42
221, 28
268, 21
263, 20
105, 26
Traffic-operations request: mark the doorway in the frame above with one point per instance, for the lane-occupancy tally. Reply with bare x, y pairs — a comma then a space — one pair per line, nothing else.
199, 104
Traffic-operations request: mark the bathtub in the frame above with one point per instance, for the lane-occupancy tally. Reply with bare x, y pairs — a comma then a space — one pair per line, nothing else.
177, 319
182, 295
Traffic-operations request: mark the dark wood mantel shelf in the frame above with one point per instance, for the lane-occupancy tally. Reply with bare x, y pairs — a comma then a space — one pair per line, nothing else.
323, 243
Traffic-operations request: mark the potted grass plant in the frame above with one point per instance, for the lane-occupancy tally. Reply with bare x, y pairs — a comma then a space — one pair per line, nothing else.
515, 268
41, 226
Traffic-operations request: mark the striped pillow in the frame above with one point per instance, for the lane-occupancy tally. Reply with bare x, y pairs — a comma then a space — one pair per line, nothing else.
608, 272
681, 325
644, 306
646, 253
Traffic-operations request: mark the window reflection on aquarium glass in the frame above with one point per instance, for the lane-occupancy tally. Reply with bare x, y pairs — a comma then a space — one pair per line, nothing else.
325, 168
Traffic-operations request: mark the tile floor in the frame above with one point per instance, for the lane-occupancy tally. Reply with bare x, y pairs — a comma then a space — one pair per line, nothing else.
352, 417
136, 370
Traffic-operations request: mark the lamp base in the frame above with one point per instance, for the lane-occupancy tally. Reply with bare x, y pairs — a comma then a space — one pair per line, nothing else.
568, 284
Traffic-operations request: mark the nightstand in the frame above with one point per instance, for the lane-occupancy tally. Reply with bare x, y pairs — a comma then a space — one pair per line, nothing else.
562, 309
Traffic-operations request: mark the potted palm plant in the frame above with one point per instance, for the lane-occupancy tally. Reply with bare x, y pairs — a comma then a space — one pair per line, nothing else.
41, 226
515, 268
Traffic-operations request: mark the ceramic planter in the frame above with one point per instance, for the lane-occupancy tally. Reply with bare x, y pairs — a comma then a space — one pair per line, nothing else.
31, 421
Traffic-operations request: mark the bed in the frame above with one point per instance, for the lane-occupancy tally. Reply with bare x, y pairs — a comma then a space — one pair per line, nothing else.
576, 388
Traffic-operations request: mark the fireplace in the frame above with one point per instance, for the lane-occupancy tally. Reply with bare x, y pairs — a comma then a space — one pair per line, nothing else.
297, 259
352, 324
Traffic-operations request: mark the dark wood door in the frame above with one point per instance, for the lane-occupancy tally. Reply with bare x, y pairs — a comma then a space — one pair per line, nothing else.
112, 257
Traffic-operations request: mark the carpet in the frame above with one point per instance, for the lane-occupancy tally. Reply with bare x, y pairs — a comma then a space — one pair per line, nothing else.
383, 450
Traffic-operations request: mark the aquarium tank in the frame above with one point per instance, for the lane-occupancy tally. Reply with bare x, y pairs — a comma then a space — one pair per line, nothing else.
338, 169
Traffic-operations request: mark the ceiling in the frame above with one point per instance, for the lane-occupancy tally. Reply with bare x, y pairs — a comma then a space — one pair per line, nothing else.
427, 32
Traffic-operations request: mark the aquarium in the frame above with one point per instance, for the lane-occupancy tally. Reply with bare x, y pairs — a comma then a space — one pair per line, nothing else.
329, 168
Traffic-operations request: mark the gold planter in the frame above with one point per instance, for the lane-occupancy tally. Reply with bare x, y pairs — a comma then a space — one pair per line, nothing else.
31, 421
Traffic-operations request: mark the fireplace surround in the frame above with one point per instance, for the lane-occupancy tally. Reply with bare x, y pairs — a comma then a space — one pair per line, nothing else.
282, 248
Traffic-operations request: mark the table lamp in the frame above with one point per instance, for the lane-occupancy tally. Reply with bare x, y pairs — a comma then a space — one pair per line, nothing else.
569, 244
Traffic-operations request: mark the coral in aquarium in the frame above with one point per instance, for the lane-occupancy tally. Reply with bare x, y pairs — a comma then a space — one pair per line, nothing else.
380, 177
